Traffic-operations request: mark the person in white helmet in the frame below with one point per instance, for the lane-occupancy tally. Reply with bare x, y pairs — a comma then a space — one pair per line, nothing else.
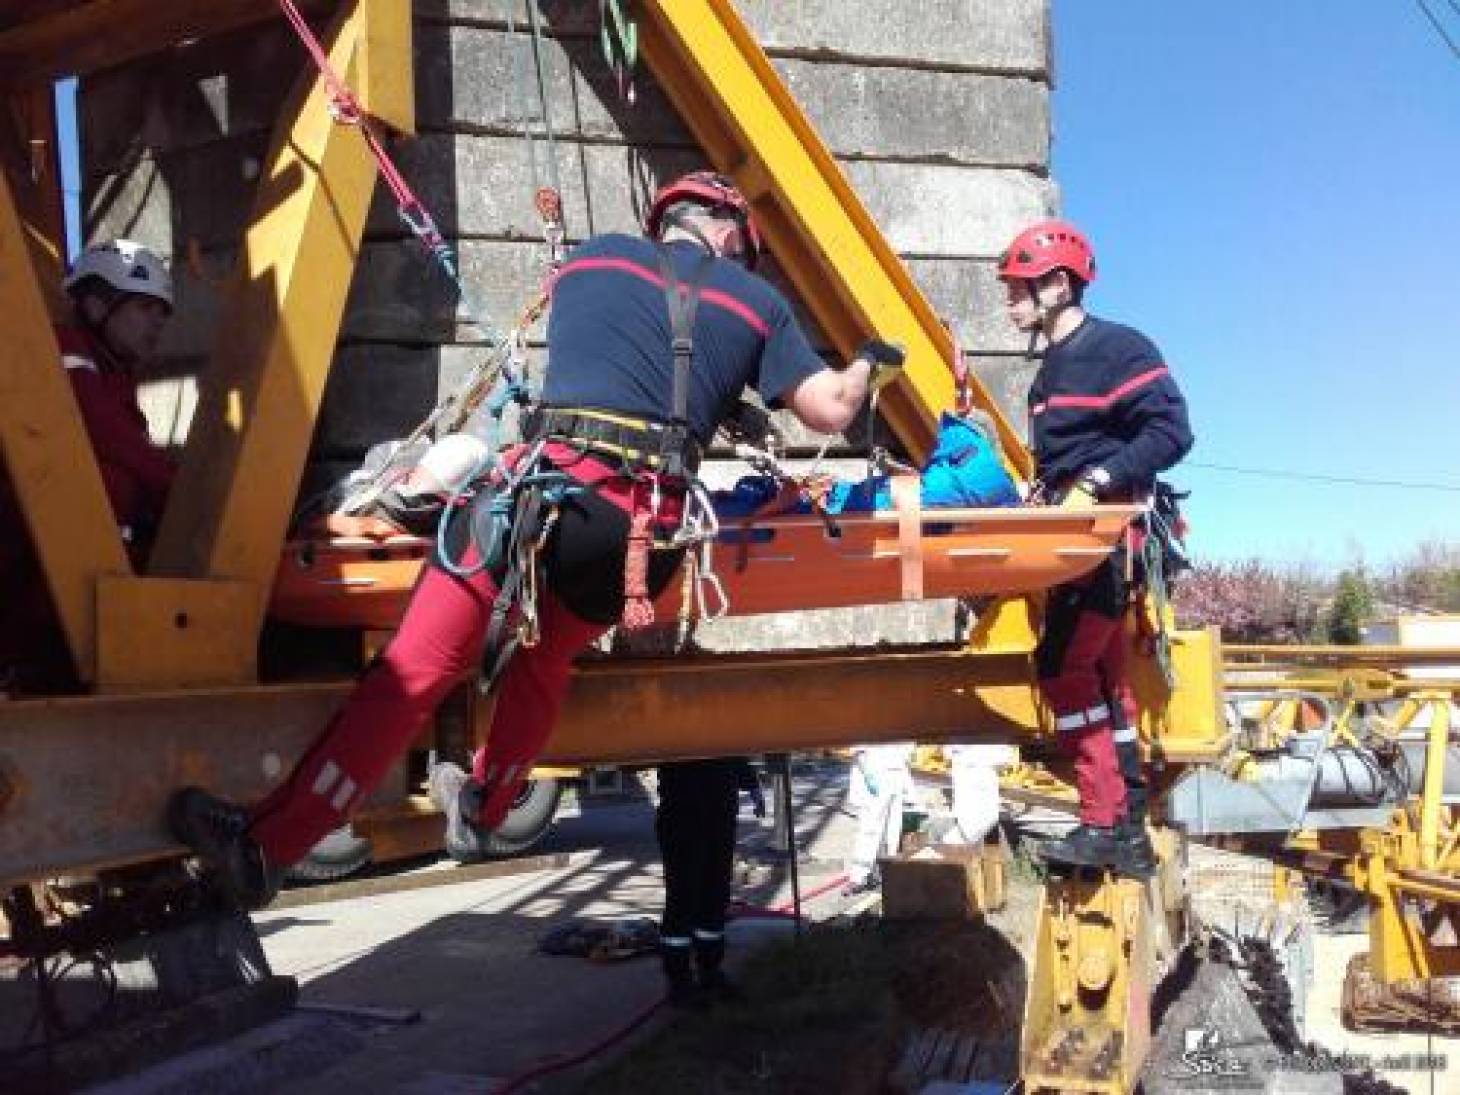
121, 299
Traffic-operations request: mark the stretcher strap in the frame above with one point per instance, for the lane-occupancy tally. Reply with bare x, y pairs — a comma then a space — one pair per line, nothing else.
907, 499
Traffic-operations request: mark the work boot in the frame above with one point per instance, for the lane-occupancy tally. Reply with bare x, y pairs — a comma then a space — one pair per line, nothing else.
1087, 846
684, 992
1140, 856
217, 832
709, 959
458, 797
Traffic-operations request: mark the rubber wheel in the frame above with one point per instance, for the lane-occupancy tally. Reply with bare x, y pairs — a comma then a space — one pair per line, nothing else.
339, 855
529, 819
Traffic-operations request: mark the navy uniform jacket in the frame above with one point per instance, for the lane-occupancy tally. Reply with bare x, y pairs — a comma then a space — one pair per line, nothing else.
1104, 398
610, 347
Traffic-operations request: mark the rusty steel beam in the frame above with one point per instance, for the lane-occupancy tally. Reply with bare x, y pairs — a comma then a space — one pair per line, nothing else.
84, 781
621, 711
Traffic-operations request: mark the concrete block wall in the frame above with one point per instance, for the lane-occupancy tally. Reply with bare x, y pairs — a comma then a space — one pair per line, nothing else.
937, 111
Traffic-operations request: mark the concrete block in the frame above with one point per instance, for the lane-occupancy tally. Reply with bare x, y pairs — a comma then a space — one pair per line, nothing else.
167, 199
932, 210
400, 294
558, 16
992, 35
482, 185
209, 91
886, 113
969, 295
376, 392
476, 78
911, 624
1008, 378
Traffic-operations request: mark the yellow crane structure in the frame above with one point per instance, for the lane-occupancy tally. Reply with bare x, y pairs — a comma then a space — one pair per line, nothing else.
169, 653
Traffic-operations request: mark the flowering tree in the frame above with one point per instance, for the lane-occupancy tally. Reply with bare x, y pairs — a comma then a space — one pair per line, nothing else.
1250, 601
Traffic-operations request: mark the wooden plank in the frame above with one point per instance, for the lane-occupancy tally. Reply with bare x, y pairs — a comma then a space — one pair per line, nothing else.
260, 396
76, 40
47, 454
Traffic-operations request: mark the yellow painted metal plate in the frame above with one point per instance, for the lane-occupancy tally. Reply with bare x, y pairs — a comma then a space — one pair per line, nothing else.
155, 633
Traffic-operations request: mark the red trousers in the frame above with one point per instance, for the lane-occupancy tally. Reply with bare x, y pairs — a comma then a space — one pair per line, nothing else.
439, 642
1081, 664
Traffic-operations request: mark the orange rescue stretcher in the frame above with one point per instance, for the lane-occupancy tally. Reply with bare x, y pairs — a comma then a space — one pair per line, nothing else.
784, 563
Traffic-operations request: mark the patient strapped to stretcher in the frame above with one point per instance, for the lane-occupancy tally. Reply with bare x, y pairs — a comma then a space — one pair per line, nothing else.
963, 470
787, 542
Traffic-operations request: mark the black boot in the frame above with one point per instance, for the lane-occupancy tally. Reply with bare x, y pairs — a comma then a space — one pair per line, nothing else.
679, 972
217, 831
1086, 846
1139, 855
709, 958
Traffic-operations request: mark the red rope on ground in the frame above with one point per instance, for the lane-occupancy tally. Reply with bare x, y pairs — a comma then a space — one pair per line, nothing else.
785, 910
516, 1083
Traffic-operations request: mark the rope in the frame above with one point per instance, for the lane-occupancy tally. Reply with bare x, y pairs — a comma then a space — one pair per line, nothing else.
619, 37
345, 109
548, 200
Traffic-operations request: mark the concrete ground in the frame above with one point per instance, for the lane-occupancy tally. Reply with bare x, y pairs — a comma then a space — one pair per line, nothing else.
441, 990
463, 958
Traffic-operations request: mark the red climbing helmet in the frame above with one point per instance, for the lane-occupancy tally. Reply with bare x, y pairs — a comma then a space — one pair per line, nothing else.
1046, 246
716, 193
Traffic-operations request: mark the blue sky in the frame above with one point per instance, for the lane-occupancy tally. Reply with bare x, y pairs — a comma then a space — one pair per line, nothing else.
1273, 192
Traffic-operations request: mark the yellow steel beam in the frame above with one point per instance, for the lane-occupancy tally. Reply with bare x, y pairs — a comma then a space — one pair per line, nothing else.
1246, 656
47, 455
261, 393
82, 38
751, 127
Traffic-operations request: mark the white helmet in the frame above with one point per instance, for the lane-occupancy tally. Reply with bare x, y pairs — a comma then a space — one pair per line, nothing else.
126, 266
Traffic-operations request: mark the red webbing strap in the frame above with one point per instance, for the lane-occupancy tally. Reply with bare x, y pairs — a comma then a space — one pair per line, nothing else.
907, 498
345, 108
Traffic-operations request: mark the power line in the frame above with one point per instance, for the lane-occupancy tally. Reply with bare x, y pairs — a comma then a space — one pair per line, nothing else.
1315, 477
1440, 27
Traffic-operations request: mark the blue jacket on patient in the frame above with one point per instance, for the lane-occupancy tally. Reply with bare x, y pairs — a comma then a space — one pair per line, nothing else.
963, 470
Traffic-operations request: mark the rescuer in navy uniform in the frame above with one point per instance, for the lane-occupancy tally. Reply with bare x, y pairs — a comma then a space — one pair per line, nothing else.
619, 425
699, 803
1105, 418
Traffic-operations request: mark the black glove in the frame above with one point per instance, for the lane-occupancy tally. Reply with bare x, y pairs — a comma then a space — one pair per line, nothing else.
749, 423
882, 355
